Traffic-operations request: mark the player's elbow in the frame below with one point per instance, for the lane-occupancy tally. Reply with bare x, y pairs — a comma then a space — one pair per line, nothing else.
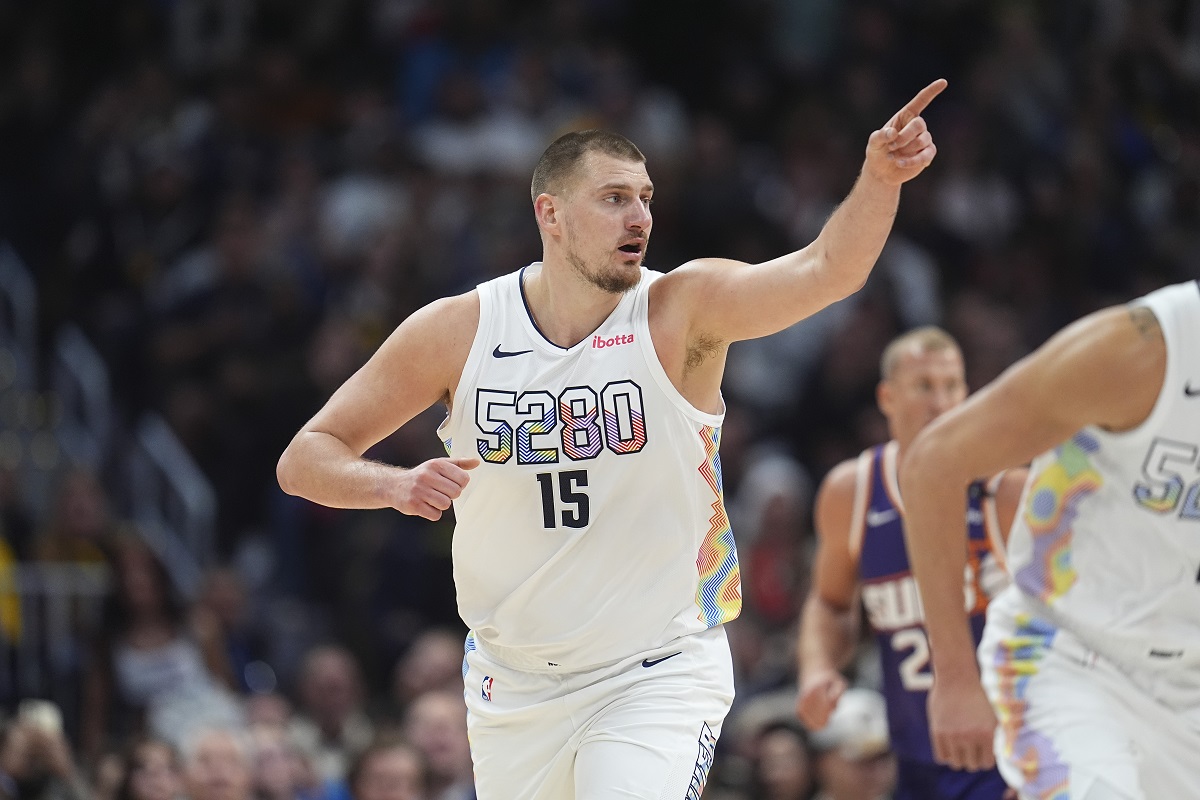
843, 278
286, 470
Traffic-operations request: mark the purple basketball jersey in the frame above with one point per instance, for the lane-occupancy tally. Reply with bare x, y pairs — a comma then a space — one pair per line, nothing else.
893, 605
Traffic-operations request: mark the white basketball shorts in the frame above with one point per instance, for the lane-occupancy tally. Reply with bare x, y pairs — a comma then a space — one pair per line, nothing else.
1074, 724
643, 727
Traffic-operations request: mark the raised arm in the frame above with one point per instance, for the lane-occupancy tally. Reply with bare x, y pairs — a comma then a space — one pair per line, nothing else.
1104, 370
760, 299
418, 365
829, 622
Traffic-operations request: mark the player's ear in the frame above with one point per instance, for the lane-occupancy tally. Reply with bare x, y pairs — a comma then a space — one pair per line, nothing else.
883, 397
545, 209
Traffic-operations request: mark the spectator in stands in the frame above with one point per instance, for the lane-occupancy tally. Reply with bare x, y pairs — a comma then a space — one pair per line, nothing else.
223, 595
331, 721
151, 659
773, 509
218, 345
283, 770
217, 765
783, 767
268, 708
152, 772
36, 762
433, 662
81, 524
107, 774
436, 724
388, 770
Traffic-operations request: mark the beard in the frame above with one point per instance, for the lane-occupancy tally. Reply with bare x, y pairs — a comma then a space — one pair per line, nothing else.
609, 281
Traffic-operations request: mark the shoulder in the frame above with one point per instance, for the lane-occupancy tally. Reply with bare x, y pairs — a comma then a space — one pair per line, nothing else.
835, 499
691, 279
444, 326
425, 354
1072, 374
458, 311
841, 481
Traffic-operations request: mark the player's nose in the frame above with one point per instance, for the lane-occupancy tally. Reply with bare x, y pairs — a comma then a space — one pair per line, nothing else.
943, 400
639, 218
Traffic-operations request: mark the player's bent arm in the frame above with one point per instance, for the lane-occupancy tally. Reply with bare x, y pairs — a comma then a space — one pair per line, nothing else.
1104, 370
419, 364
830, 620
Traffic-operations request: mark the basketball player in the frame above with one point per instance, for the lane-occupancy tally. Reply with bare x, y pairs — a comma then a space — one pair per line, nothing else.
593, 558
1091, 658
861, 527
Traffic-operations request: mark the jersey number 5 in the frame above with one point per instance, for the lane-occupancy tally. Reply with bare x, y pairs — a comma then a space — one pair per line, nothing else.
1166, 481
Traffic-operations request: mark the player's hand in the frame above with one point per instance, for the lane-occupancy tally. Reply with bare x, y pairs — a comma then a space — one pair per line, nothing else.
428, 489
819, 695
961, 725
903, 148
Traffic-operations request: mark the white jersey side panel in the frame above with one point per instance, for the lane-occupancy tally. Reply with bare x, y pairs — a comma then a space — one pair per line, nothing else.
595, 526
1108, 538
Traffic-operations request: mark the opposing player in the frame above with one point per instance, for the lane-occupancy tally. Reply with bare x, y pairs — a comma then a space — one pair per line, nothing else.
1091, 658
861, 552
593, 557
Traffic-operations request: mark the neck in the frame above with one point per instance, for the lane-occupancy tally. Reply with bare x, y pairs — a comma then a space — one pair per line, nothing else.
565, 306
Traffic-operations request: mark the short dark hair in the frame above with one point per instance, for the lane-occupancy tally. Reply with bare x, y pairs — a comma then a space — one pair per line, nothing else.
558, 164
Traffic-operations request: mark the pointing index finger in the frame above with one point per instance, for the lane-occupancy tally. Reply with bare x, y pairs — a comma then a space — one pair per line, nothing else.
913, 108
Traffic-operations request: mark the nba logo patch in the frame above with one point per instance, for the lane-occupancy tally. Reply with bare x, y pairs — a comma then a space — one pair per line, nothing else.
487, 688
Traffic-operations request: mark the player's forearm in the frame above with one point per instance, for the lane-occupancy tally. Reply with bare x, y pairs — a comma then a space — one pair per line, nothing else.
827, 636
850, 243
319, 467
933, 493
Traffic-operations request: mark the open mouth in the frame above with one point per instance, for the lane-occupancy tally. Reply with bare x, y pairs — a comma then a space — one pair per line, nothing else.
634, 248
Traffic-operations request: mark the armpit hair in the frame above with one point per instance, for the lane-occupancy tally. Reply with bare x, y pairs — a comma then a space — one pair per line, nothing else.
1145, 321
700, 351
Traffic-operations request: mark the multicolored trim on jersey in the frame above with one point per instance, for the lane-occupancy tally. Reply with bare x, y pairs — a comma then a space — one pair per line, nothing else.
719, 593
1044, 773
468, 646
1050, 513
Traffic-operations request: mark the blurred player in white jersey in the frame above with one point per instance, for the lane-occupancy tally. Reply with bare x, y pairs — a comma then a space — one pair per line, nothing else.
1091, 658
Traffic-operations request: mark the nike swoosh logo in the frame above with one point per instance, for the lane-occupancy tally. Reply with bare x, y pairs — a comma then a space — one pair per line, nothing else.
1188, 391
877, 518
498, 353
648, 663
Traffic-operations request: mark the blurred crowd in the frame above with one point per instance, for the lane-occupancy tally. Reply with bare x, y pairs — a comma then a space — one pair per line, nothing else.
237, 200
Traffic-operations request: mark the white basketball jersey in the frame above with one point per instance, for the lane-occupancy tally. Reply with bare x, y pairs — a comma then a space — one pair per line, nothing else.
595, 527
1108, 538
